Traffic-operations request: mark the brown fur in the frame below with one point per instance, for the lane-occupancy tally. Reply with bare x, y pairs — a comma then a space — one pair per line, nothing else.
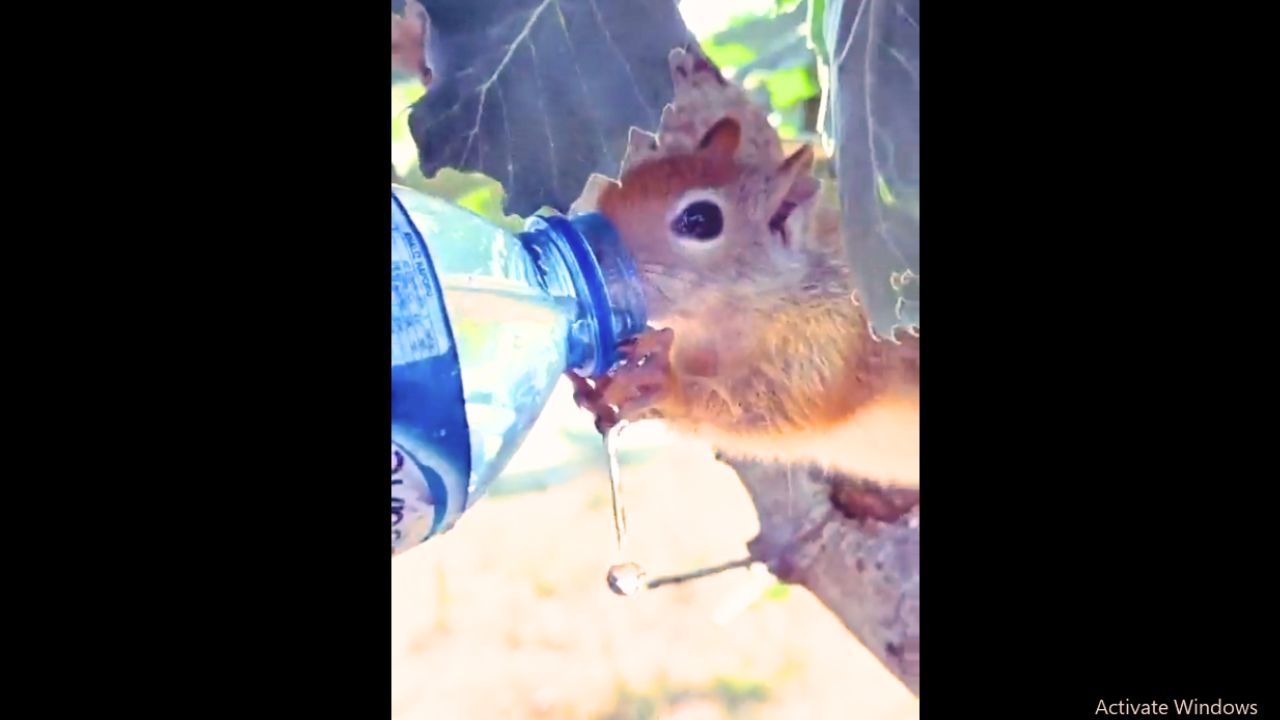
770, 358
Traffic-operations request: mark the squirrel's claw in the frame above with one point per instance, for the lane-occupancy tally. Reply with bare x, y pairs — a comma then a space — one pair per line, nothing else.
655, 344
589, 398
644, 376
635, 386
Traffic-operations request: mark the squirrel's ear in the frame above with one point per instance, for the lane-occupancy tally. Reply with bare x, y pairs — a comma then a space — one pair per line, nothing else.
722, 138
792, 181
798, 164
789, 186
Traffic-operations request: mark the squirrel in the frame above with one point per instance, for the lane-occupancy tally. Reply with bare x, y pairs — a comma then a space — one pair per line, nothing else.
762, 350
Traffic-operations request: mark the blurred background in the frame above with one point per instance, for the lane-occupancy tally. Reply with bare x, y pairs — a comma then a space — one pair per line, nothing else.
508, 615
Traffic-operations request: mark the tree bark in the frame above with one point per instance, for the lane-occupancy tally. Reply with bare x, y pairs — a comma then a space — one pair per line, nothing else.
854, 545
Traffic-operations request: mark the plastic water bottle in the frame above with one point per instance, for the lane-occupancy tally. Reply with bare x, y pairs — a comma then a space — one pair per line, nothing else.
483, 324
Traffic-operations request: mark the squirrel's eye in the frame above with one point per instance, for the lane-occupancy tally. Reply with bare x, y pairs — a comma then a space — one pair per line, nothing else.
700, 220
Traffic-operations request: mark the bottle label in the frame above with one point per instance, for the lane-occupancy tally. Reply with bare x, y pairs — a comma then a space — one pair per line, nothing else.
430, 439
412, 503
419, 326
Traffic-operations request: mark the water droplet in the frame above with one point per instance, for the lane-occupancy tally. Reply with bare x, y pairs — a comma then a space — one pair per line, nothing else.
626, 579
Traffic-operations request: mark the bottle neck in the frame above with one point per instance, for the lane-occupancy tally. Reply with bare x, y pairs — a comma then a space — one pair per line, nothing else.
582, 258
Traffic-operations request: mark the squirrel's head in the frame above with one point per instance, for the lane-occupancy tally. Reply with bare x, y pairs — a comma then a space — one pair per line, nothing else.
703, 222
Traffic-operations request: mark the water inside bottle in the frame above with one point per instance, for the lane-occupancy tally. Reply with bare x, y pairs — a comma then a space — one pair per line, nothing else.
511, 342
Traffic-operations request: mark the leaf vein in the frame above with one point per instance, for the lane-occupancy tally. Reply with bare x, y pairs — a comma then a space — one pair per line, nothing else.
626, 67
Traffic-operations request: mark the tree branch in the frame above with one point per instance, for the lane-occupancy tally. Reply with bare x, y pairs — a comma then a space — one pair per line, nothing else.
854, 545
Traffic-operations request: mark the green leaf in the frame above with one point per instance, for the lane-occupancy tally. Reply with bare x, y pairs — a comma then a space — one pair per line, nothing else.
791, 122
813, 24
874, 108
759, 31
772, 43
788, 87
539, 94
728, 55
476, 192
778, 591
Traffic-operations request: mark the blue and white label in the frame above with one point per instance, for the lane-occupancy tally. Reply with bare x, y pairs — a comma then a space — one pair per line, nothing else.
430, 438
418, 326
412, 504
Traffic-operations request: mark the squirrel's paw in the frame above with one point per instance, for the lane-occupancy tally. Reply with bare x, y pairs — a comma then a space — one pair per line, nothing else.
634, 387
589, 397
643, 378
